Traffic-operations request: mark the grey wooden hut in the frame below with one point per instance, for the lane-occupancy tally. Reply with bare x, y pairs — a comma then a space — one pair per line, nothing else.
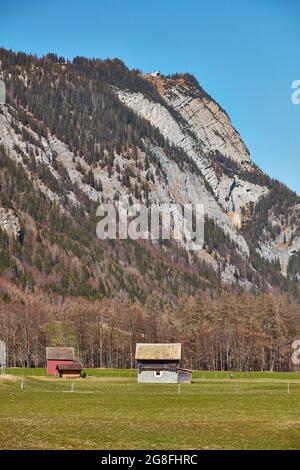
159, 363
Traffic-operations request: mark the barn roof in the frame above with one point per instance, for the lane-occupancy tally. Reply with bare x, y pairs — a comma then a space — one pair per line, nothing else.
158, 351
72, 366
60, 354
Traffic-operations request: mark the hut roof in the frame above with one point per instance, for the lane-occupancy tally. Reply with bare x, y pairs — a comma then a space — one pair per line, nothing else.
72, 366
60, 354
158, 351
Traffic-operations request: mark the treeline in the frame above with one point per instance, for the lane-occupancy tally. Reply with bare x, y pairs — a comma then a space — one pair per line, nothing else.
228, 332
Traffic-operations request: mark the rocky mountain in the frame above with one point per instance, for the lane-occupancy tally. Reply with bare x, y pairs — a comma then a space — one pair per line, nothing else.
74, 133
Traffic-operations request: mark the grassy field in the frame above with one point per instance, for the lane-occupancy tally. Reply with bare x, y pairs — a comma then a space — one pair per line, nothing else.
109, 410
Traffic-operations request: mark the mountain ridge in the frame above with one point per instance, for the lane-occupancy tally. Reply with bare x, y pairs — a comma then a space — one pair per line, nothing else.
178, 146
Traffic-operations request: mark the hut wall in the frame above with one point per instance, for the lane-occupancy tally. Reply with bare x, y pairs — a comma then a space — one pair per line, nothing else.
151, 376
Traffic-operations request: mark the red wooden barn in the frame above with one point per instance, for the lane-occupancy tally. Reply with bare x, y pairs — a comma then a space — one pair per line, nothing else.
57, 356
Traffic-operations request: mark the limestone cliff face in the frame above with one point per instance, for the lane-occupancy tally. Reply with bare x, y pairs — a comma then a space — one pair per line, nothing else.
194, 122
200, 129
9, 221
209, 123
286, 242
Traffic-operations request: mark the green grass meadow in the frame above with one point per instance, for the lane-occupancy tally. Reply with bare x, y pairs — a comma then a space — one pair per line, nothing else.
110, 410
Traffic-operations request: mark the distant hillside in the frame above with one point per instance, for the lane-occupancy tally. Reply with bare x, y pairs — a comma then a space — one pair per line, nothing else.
73, 134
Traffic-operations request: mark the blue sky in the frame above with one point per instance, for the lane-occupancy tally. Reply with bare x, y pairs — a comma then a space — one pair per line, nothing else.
245, 53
